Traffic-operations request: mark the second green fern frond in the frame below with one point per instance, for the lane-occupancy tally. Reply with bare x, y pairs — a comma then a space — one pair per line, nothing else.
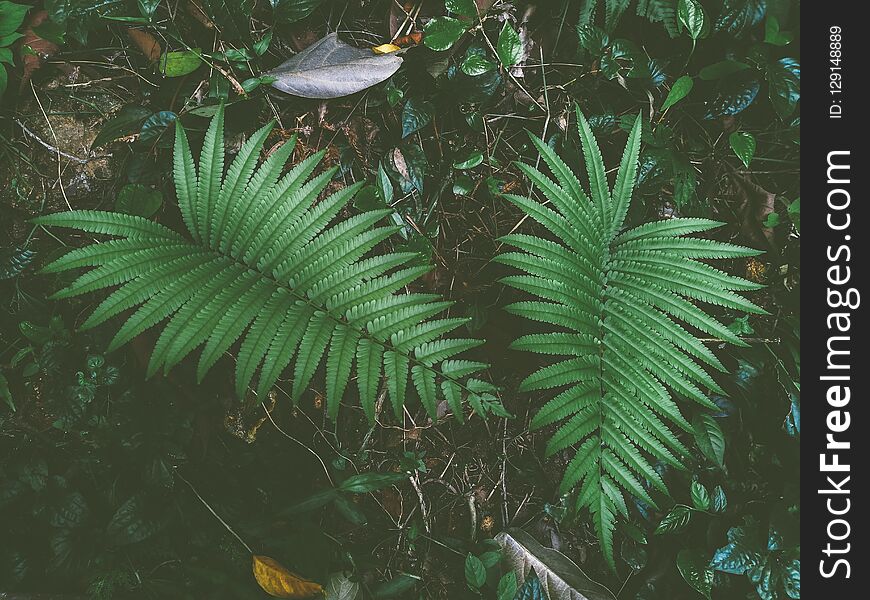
621, 302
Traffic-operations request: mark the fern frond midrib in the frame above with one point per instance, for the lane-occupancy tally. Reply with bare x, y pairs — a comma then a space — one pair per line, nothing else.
341, 320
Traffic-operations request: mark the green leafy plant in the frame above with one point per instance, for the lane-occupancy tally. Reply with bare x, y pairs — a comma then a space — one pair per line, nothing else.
262, 263
11, 17
616, 297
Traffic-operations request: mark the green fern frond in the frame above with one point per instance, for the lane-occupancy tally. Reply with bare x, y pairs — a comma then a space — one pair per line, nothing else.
264, 262
624, 305
655, 11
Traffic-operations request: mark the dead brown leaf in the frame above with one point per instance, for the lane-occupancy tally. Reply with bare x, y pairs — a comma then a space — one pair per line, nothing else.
146, 43
42, 49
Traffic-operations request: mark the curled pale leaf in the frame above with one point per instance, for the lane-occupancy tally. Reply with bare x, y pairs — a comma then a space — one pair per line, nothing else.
281, 583
329, 68
561, 578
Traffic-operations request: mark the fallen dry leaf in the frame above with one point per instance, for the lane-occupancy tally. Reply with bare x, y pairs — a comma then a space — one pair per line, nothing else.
147, 44
281, 583
412, 39
42, 49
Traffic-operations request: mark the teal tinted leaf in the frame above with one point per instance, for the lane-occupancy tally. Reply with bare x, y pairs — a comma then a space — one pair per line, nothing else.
733, 98
738, 556
510, 47
743, 145
531, 590
737, 16
14, 260
127, 121
721, 69
675, 521
463, 8
416, 114
679, 90
783, 79
156, 125
472, 160
791, 578
442, 32
178, 64
696, 571
139, 199
475, 572
700, 496
710, 439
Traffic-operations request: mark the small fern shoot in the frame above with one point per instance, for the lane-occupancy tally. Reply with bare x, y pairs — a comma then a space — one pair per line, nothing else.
619, 300
264, 261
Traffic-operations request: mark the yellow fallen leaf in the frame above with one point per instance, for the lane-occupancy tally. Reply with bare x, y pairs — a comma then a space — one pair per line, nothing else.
281, 583
385, 49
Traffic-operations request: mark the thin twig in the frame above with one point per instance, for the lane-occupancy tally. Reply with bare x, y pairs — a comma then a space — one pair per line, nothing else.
293, 439
212, 511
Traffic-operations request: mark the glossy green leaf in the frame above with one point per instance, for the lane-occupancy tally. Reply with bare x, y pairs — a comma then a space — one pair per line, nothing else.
472, 160
178, 64
679, 90
700, 496
475, 572
692, 17
416, 114
442, 32
463, 8
743, 145
507, 586
696, 571
784, 85
710, 439
510, 47
675, 521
